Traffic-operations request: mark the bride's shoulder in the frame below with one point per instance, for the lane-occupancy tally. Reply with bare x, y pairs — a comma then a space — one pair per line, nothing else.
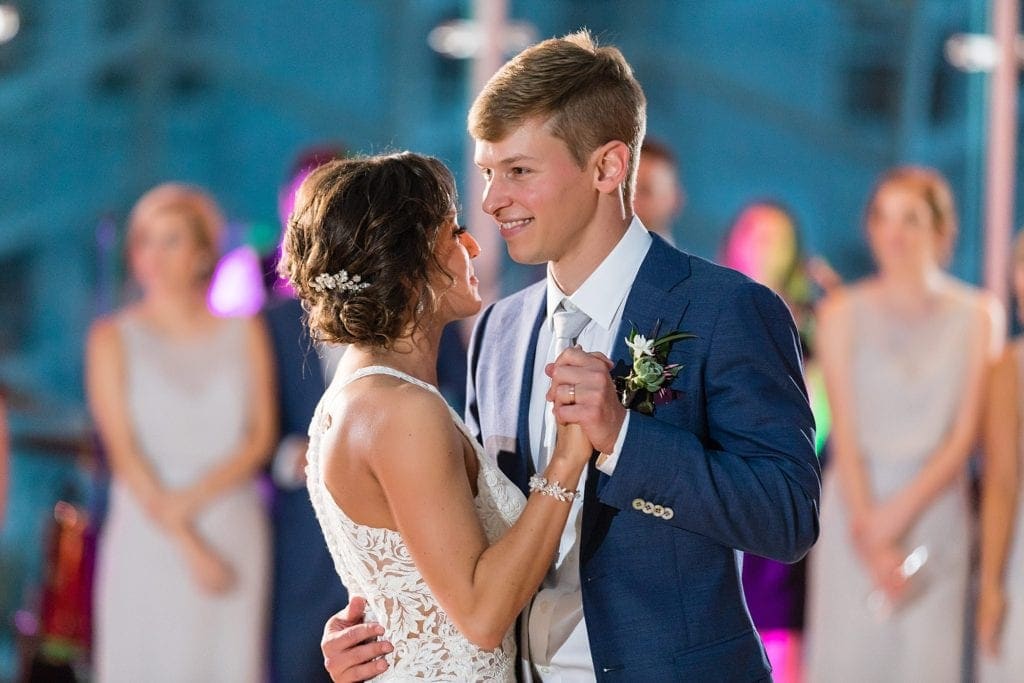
384, 414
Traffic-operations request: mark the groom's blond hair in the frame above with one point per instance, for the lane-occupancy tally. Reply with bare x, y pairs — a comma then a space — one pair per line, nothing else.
588, 95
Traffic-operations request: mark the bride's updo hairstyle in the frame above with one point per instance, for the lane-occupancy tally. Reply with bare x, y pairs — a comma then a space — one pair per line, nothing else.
359, 248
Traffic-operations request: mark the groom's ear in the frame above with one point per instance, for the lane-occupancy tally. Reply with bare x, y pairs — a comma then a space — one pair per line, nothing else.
611, 166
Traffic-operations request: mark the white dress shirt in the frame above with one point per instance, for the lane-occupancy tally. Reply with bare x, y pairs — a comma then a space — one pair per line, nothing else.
558, 645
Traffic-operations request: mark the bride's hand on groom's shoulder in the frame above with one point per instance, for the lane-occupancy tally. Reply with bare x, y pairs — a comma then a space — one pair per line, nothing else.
352, 651
583, 393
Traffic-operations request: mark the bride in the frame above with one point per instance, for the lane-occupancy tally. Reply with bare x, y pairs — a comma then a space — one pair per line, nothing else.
418, 520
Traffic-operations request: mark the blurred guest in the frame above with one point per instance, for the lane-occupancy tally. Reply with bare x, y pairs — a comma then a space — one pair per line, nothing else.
306, 590
183, 402
1000, 615
764, 243
905, 354
659, 195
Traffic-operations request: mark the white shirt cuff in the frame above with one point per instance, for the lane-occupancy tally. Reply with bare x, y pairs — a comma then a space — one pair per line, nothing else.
607, 464
283, 469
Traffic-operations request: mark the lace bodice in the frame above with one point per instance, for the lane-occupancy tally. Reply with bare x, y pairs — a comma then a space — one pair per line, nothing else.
375, 563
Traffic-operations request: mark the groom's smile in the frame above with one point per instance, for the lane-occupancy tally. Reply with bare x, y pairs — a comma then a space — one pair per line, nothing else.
511, 228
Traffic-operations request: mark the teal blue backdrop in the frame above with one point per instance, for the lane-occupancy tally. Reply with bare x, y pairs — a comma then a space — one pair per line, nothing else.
804, 101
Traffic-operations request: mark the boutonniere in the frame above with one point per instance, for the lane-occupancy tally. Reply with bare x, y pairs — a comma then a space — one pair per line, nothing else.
646, 384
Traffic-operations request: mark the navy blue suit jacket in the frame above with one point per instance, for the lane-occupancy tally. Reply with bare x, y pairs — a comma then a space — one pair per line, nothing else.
732, 456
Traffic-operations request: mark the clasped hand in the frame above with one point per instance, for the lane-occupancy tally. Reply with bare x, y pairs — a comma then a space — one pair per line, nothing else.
583, 393
174, 510
878, 537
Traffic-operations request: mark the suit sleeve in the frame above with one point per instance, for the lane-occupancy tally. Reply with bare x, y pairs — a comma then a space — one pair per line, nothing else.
754, 483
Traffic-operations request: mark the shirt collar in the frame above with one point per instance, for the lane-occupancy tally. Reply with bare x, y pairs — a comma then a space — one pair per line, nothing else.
603, 292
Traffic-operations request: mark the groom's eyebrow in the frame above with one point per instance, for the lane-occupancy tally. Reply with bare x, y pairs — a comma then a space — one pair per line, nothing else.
515, 159
507, 161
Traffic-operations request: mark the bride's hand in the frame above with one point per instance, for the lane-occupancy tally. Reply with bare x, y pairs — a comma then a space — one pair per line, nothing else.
571, 443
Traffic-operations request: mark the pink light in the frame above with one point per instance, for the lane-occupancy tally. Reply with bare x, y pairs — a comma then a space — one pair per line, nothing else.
237, 287
783, 648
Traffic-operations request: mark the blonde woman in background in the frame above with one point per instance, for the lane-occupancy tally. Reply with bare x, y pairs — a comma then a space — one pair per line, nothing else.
1000, 618
183, 402
905, 355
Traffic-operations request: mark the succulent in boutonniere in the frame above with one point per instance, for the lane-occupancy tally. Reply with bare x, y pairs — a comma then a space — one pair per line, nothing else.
647, 383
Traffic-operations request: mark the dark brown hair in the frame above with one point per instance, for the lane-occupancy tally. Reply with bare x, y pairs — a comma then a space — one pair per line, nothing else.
588, 94
376, 217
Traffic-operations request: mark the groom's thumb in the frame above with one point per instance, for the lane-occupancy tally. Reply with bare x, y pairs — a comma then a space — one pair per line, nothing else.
353, 613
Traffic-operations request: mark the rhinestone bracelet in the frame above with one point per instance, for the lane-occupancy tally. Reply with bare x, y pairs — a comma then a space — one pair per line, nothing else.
553, 489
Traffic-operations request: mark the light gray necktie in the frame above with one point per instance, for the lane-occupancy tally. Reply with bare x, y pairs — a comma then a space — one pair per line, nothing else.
567, 321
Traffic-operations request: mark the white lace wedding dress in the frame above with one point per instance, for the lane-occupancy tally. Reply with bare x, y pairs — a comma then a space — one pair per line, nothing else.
375, 563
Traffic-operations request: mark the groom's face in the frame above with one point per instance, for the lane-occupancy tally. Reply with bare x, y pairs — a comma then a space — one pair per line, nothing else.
541, 199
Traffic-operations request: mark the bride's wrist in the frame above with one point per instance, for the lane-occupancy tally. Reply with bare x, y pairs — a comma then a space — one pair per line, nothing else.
564, 471
553, 489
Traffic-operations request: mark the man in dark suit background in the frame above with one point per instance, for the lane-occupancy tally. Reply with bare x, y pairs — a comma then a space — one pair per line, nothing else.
306, 589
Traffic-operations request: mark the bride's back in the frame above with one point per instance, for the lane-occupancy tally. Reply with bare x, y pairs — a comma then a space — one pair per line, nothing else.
371, 557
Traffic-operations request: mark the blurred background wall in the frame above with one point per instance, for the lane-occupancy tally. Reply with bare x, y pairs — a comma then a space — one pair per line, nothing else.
804, 101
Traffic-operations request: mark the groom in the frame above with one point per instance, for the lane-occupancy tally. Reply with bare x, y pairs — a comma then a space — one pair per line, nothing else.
646, 585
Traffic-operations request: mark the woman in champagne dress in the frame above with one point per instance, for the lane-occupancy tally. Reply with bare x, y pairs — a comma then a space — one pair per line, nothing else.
905, 354
183, 404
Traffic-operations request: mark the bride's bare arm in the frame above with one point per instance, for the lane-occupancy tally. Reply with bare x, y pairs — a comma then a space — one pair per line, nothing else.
416, 454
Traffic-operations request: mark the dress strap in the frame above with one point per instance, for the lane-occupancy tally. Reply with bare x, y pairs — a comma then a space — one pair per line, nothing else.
387, 370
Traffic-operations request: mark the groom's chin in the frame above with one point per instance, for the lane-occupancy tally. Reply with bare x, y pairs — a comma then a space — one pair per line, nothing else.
525, 259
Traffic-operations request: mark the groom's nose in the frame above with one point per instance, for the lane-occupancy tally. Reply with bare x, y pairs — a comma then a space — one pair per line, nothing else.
495, 197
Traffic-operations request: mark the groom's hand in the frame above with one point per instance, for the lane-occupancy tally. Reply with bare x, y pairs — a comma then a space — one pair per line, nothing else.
350, 646
583, 393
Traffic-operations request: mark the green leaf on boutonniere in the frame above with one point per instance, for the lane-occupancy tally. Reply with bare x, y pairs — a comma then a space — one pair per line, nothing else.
646, 384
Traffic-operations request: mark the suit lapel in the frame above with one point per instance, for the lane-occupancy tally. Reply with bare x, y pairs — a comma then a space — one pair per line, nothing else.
654, 302
519, 466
